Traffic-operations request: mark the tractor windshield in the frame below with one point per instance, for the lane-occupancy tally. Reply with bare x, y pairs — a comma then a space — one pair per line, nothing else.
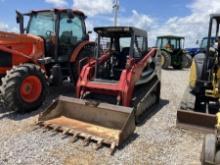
42, 24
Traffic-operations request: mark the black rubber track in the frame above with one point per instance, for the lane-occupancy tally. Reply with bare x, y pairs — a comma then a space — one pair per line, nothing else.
10, 88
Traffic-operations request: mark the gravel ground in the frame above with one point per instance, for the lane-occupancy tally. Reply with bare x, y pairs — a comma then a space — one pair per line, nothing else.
156, 141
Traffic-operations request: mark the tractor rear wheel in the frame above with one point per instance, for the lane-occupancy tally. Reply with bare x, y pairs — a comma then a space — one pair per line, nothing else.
165, 60
24, 88
187, 61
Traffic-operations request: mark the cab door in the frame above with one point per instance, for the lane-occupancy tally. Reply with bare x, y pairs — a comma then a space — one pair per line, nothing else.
72, 31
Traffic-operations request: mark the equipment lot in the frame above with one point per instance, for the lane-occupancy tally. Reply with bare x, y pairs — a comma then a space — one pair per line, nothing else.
157, 141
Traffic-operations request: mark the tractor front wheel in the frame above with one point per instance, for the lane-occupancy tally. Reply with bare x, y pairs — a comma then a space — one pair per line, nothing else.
165, 60
24, 88
208, 150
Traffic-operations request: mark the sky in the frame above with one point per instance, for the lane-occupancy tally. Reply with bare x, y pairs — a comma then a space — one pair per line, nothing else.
187, 18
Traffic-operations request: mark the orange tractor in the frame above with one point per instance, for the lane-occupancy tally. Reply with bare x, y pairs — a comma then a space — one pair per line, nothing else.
52, 48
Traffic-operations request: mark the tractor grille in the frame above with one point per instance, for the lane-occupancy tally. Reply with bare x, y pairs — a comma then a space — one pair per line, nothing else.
5, 59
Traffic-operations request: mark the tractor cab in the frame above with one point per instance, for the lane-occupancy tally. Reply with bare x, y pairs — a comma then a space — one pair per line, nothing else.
170, 43
204, 42
61, 29
173, 53
64, 35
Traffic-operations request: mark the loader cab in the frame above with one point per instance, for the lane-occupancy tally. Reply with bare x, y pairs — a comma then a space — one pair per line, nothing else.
213, 31
118, 44
61, 29
204, 43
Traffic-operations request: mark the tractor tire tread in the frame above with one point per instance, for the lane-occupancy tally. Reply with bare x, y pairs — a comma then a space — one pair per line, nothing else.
9, 87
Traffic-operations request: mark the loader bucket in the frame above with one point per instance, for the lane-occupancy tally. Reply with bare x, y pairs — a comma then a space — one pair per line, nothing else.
101, 123
196, 121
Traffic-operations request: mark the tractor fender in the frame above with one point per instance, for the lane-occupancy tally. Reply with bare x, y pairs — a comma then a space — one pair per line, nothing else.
196, 70
78, 49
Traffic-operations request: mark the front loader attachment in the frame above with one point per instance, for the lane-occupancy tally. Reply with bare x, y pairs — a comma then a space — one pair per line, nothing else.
196, 121
102, 123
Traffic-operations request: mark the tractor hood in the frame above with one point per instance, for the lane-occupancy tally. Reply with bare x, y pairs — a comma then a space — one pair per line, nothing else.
9, 37
25, 45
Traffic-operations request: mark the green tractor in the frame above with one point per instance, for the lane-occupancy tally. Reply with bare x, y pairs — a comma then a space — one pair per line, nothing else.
173, 53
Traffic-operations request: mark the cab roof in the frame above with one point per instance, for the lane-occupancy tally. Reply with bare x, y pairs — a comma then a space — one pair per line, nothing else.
75, 11
120, 30
216, 16
171, 36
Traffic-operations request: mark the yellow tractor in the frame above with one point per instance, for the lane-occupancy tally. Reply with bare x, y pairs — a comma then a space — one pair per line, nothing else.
199, 108
200, 102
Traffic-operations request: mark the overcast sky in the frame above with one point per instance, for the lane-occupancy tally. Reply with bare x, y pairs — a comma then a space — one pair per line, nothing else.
187, 18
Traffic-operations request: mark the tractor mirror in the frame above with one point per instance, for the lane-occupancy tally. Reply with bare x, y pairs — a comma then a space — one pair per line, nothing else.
18, 17
197, 42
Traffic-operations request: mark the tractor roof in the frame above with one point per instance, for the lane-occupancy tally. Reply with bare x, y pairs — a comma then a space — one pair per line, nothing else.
208, 37
216, 16
171, 36
119, 30
78, 12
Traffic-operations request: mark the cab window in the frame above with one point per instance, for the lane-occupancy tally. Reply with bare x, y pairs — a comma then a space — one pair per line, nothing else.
71, 30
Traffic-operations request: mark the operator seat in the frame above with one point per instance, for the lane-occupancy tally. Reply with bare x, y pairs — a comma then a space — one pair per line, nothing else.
67, 43
122, 58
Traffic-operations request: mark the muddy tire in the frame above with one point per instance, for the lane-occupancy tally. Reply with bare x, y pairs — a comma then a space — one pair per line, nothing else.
187, 61
165, 60
24, 88
208, 149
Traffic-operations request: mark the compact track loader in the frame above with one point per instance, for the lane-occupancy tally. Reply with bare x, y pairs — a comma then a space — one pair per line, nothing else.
201, 99
114, 89
52, 48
